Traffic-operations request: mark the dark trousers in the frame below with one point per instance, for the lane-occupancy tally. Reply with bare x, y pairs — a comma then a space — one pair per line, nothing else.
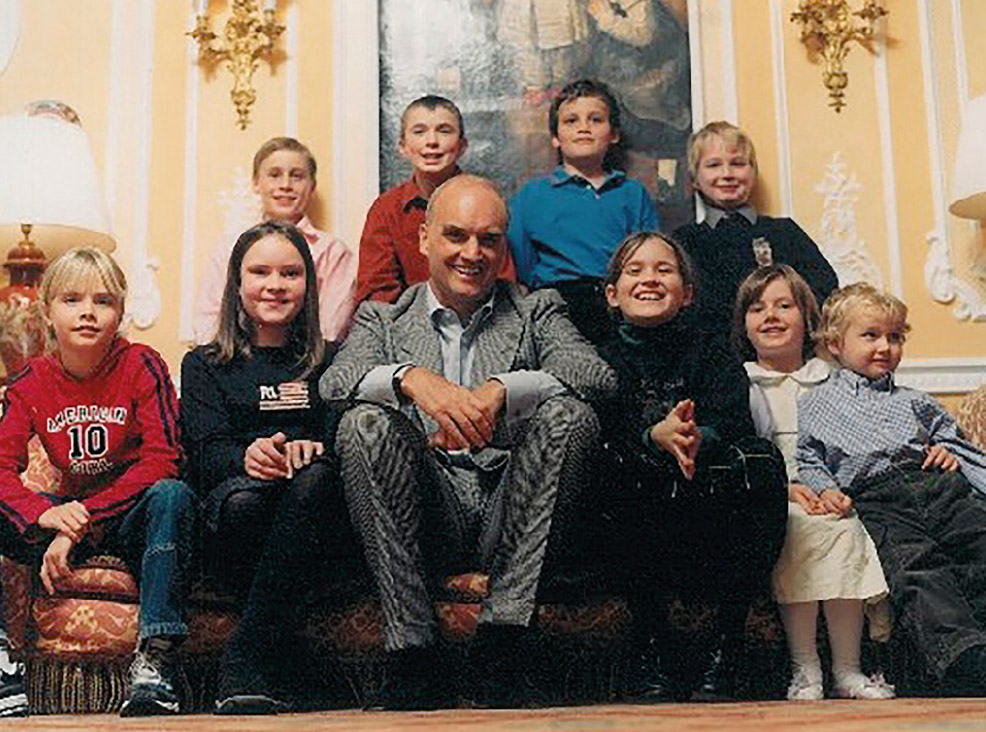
307, 541
241, 513
154, 538
713, 540
930, 532
418, 518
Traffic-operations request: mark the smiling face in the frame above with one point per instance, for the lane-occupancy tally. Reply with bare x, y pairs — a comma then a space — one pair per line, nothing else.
650, 289
465, 242
872, 344
85, 318
272, 288
584, 132
285, 185
431, 140
725, 176
775, 326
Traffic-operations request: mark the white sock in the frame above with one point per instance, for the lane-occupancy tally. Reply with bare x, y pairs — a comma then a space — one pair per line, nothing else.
845, 625
800, 620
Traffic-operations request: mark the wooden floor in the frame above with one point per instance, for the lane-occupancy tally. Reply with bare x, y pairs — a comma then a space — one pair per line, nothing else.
906, 715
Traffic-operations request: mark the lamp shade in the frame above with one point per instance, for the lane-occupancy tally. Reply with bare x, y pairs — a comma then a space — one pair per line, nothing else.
969, 183
49, 180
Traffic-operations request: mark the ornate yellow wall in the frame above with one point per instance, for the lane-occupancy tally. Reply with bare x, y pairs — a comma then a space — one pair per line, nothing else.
870, 184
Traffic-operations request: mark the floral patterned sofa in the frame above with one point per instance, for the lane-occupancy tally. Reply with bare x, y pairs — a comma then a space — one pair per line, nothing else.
77, 644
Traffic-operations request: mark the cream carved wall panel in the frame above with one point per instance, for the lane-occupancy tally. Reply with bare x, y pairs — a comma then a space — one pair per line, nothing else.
838, 236
10, 30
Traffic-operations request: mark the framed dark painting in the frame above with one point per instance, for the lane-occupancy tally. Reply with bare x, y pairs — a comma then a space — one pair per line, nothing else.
503, 61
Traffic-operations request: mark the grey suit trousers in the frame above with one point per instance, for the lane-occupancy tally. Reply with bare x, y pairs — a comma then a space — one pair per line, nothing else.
420, 517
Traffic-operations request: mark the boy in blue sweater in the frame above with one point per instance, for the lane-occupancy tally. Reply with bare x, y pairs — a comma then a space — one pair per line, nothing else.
565, 226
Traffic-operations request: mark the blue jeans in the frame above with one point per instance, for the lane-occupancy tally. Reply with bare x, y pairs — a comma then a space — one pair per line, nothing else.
155, 538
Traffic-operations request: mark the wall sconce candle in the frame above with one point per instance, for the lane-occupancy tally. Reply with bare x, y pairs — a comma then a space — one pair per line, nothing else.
828, 29
249, 35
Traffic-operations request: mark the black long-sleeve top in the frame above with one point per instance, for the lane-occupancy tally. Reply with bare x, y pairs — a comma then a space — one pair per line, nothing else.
226, 406
724, 256
657, 368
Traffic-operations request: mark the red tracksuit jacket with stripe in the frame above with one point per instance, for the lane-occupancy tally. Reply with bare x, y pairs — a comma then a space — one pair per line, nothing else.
111, 435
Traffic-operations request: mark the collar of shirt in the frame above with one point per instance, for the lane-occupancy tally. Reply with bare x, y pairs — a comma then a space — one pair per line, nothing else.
311, 233
443, 317
560, 176
714, 215
813, 372
412, 196
859, 384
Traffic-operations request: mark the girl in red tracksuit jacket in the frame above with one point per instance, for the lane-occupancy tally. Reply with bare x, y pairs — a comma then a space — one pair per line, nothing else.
106, 413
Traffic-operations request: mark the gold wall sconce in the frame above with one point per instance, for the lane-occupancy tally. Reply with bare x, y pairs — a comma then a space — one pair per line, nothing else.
249, 34
828, 27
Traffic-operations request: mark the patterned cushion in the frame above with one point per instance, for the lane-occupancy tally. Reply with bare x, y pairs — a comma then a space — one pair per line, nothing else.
971, 416
40, 474
85, 626
16, 600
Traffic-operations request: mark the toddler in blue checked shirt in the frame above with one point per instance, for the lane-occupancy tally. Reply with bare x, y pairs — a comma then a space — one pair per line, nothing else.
897, 456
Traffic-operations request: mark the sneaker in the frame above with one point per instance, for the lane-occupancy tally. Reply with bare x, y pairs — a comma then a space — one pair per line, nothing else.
805, 686
872, 687
154, 674
13, 695
253, 704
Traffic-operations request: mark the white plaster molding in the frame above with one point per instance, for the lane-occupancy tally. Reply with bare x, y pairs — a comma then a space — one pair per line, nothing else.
116, 110
355, 105
945, 287
186, 331
940, 279
240, 205
882, 84
942, 375
145, 301
958, 41
729, 83
838, 236
777, 24
11, 16
695, 66
291, 44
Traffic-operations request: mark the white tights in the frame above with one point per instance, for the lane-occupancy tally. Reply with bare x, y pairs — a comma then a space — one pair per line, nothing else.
844, 619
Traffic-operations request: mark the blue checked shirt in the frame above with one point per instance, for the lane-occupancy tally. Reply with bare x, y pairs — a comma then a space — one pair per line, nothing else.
852, 429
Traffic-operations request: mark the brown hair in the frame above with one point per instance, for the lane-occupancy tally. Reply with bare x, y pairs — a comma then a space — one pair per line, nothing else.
633, 242
596, 90
283, 143
431, 102
843, 303
730, 134
751, 290
304, 336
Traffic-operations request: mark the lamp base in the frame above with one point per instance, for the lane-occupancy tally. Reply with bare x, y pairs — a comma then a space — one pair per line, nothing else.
21, 324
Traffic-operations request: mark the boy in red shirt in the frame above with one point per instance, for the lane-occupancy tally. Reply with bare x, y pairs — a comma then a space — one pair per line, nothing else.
106, 413
433, 139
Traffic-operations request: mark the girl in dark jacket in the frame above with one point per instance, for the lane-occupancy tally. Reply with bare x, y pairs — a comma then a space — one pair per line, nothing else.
699, 502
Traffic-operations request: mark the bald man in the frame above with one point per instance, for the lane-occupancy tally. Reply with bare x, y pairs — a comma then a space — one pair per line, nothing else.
464, 442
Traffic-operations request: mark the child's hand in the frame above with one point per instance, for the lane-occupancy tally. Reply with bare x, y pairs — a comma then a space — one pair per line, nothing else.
805, 497
70, 518
266, 458
939, 457
678, 435
835, 501
299, 453
54, 564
